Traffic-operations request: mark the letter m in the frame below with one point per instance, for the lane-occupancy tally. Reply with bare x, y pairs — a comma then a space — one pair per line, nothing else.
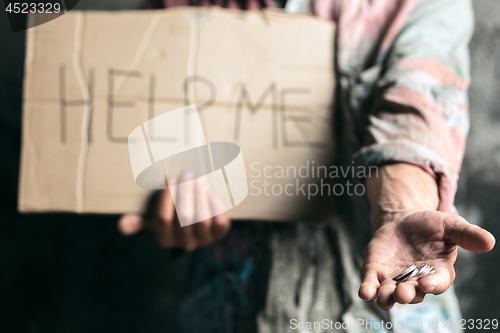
245, 101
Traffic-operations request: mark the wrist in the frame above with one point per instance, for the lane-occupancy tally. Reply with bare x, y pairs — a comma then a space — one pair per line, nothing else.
399, 190
388, 217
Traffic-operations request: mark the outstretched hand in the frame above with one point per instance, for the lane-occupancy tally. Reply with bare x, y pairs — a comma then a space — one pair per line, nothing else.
429, 236
408, 230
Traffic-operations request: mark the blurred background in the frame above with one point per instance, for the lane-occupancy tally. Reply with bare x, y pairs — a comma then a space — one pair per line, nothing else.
70, 273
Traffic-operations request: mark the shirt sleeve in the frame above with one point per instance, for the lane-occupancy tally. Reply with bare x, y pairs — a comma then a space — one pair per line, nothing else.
420, 111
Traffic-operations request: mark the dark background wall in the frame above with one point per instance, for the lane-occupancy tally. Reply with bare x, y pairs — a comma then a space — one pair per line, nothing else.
70, 273
478, 198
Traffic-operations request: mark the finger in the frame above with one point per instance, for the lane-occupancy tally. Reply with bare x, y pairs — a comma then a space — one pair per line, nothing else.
166, 208
220, 226
419, 298
405, 292
221, 223
185, 200
438, 282
369, 288
203, 212
185, 213
385, 298
468, 236
163, 223
202, 232
186, 238
130, 224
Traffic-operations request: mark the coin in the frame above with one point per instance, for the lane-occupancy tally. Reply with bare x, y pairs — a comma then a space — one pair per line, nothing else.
407, 276
404, 272
424, 270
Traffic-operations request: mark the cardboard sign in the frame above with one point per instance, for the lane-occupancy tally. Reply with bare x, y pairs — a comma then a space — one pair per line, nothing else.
261, 80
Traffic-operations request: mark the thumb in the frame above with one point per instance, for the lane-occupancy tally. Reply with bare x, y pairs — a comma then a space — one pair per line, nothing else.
468, 236
130, 224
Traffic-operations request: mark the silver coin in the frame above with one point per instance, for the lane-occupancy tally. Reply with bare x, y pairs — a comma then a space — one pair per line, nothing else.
404, 272
425, 269
407, 276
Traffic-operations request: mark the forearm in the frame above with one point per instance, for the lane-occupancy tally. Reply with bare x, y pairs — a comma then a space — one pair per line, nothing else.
398, 190
409, 230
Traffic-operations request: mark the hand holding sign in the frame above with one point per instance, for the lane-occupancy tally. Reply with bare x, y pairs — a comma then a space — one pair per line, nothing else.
194, 200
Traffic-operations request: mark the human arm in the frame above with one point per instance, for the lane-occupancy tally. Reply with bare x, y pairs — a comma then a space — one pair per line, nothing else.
408, 229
